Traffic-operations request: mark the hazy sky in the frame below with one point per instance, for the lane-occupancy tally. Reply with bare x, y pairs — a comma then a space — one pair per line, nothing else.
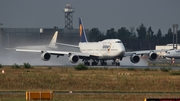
102, 14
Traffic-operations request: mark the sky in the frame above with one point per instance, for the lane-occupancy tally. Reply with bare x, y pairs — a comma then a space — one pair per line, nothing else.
102, 14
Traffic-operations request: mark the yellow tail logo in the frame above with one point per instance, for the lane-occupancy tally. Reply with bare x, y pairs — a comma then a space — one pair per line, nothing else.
80, 30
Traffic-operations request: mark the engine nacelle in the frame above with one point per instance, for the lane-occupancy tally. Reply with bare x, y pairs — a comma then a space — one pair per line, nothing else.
73, 58
134, 58
45, 56
152, 56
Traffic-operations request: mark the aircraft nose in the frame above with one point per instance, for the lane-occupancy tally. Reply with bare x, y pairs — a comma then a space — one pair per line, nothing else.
122, 50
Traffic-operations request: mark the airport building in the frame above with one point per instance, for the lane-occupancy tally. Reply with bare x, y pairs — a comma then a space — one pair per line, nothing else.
12, 37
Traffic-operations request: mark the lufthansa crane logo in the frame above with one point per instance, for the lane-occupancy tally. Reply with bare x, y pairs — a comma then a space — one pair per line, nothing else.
109, 48
80, 29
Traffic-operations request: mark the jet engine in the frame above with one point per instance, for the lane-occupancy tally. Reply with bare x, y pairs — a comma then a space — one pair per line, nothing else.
73, 58
45, 56
134, 58
152, 56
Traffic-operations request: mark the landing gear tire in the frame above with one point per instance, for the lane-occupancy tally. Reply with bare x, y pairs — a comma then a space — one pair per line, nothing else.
94, 62
86, 63
113, 63
117, 64
103, 63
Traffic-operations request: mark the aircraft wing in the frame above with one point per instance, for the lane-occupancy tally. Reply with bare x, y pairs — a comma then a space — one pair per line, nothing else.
144, 52
52, 52
69, 45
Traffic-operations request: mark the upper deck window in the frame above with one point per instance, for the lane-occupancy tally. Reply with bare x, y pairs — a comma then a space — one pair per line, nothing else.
118, 42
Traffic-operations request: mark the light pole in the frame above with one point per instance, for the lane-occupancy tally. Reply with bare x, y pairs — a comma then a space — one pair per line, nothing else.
175, 29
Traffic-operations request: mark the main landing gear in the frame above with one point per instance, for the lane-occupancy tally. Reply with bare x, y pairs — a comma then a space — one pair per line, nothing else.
94, 62
116, 61
86, 62
103, 63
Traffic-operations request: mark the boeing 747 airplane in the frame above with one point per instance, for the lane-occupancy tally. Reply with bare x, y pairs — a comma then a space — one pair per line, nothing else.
108, 49
171, 55
174, 53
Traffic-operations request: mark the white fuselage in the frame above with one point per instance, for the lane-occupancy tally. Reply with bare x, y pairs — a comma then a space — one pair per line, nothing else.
106, 49
173, 54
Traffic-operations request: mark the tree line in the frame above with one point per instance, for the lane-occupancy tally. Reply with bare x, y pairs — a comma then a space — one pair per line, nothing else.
144, 36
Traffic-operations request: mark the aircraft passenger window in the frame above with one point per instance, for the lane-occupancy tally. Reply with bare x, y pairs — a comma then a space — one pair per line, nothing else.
118, 42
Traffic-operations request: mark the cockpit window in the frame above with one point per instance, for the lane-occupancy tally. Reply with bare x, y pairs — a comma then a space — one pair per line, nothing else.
118, 42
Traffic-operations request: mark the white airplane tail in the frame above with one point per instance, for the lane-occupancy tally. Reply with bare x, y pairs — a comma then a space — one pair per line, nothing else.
53, 40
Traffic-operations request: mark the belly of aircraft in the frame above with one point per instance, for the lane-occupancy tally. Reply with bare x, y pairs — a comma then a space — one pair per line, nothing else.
111, 55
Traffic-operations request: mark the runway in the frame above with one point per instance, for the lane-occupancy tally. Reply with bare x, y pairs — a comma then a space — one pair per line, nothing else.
11, 57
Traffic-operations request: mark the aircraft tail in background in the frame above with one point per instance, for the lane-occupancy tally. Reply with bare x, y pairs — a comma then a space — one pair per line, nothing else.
51, 45
82, 33
53, 40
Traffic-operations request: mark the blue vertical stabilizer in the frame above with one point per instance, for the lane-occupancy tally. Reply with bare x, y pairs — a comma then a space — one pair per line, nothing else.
82, 32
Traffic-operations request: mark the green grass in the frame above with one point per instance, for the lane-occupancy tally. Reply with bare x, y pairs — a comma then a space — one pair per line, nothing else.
98, 79
94, 79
